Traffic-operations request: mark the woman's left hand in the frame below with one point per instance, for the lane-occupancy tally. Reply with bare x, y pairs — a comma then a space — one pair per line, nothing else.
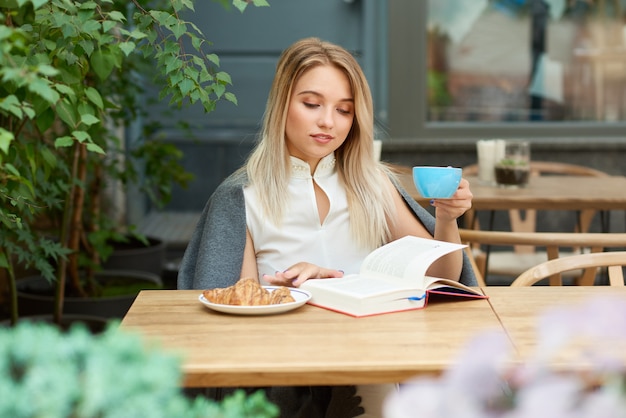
297, 274
457, 205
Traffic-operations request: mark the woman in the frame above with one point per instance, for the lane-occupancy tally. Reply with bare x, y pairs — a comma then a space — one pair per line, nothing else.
311, 201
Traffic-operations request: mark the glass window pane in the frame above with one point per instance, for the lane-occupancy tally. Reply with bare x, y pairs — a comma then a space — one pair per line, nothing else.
526, 60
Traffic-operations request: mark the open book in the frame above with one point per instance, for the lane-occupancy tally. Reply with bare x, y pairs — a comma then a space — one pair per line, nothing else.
392, 278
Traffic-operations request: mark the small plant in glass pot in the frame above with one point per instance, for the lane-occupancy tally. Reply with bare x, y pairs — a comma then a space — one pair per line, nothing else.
69, 83
511, 172
514, 169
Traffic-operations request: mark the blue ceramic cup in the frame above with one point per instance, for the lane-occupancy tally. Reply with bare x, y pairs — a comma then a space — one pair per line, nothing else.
436, 182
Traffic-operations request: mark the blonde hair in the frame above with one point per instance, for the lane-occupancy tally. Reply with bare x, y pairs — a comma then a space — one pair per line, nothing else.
369, 199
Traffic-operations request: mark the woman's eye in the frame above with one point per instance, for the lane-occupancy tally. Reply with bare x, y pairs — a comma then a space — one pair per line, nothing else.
344, 111
311, 105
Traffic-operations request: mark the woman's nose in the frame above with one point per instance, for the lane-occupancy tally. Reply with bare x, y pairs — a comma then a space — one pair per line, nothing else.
326, 118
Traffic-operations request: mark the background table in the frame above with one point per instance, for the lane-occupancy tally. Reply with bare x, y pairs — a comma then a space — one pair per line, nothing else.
542, 193
307, 346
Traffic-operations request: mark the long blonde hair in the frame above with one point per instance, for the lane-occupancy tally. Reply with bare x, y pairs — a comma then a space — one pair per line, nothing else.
268, 167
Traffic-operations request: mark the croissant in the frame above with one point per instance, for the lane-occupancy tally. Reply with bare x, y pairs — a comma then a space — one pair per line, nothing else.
281, 295
248, 292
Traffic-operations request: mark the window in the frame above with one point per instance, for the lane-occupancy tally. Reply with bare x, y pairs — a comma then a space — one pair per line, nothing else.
496, 67
526, 60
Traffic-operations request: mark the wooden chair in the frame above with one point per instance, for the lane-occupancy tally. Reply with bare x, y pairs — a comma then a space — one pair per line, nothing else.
521, 257
613, 261
555, 244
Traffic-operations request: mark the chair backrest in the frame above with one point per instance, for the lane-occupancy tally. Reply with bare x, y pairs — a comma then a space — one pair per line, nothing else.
614, 261
554, 242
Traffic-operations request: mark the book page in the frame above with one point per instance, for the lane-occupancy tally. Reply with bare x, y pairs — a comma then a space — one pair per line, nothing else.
439, 285
356, 286
406, 258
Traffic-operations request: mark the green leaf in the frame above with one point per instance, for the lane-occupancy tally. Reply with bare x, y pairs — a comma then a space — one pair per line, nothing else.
107, 25
94, 97
179, 29
95, 148
49, 157
12, 105
38, 3
85, 108
187, 4
69, 31
47, 70
176, 77
89, 120
11, 169
67, 113
81, 136
102, 64
88, 5
223, 77
91, 26
127, 47
87, 46
45, 119
185, 86
230, 97
4, 261
42, 88
6, 138
214, 59
205, 77
208, 106
137, 34
196, 42
173, 64
195, 95
219, 90
117, 16
64, 141
65, 90
240, 4
70, 75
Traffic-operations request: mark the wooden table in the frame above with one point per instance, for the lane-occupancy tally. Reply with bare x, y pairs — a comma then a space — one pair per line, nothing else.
519, 310
542, 193
313, 346
307, 346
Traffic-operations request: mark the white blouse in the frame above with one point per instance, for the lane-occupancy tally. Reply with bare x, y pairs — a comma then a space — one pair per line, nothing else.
301, 237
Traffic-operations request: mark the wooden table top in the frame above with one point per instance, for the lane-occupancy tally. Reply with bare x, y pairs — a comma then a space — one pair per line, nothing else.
309, 345
520, 308
542, 193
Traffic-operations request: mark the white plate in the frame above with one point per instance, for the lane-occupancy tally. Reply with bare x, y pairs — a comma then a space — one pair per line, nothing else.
301, 297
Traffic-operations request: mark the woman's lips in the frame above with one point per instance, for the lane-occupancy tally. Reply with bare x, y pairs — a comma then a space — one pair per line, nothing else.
322, 138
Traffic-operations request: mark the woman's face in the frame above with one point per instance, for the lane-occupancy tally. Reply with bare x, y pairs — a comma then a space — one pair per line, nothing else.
320, 114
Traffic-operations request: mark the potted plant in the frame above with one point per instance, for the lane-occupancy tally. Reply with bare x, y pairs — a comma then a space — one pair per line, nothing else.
514, 169
79, 374
70, 85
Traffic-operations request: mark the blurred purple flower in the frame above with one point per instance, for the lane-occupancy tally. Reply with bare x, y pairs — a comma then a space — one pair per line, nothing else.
488, 382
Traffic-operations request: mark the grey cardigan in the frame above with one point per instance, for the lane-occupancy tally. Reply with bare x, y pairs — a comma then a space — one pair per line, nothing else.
214, 255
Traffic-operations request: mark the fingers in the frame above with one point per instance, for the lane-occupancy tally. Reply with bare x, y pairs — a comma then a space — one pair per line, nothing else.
315, 273
297, 274
457, 205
